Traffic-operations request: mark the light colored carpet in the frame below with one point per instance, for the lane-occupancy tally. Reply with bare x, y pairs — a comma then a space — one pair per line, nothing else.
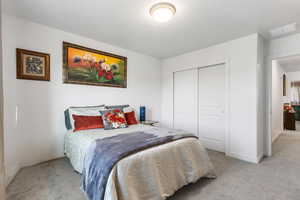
276, 178
297, 125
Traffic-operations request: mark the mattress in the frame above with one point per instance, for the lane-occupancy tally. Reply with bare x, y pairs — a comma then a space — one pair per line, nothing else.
155, 173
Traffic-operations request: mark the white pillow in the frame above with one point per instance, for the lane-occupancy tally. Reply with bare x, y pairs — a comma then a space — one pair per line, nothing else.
125, 108
84, 111
128, 109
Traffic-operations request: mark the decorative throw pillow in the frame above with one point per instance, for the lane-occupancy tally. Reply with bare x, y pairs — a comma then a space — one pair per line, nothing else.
87, 122
113, 119
130, 118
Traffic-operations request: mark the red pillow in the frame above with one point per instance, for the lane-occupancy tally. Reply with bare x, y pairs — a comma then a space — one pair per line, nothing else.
130, 118
87, 122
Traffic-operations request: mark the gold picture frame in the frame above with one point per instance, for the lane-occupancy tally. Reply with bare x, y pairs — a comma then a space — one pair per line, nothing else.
82, 65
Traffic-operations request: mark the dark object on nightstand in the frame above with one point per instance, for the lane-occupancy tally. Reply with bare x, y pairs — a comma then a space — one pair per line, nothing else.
289, 122
142, 113
149, 122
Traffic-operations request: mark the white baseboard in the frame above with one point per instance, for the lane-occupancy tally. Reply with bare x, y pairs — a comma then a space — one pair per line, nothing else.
260, 157
251, 159
213, 144
276, 135
37, 162
11, 172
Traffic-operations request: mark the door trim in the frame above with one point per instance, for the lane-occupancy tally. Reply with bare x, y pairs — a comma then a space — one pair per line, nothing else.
226, 64
268, 138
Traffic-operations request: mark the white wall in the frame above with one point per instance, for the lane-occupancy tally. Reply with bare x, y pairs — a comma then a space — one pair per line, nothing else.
293, 76
277, 99
241, 56
286, 46
2, 171
261, 97
37, 133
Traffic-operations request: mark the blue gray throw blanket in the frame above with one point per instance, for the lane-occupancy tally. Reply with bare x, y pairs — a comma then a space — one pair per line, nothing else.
104, 153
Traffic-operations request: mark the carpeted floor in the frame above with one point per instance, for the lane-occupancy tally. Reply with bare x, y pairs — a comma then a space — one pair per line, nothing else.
276, 178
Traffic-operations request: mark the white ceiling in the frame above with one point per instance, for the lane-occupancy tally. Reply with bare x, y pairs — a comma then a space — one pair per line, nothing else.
126, 23
290, 64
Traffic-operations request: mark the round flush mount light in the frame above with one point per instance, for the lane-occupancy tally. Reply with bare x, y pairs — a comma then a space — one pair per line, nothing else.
162, 12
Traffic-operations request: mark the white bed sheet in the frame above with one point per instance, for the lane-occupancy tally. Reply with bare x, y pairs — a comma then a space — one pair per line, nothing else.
153, 174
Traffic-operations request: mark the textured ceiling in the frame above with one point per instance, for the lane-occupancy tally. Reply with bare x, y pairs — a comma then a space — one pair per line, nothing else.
126, 23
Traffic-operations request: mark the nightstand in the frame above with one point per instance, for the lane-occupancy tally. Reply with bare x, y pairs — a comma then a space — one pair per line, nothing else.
150, 122
289, 122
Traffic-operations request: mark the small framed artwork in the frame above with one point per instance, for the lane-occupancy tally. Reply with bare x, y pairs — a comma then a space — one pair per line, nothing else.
87, 66
33, 65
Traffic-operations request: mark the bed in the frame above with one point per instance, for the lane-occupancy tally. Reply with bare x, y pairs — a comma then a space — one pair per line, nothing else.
154, 173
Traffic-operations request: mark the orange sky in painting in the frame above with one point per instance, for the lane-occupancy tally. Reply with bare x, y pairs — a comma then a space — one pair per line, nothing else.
72, 53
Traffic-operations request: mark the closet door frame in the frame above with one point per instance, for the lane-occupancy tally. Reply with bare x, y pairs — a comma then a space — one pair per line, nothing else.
226, 64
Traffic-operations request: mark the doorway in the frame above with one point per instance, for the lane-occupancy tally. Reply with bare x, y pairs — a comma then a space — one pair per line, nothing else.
285, 100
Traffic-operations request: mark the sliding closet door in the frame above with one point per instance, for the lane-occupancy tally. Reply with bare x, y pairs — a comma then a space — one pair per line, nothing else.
185, 100
212, 101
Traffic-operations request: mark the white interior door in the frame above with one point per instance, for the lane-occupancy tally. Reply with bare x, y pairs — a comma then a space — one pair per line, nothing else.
212, 106
185, 100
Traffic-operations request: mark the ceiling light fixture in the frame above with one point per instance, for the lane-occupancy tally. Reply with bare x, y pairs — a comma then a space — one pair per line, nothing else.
162, 12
